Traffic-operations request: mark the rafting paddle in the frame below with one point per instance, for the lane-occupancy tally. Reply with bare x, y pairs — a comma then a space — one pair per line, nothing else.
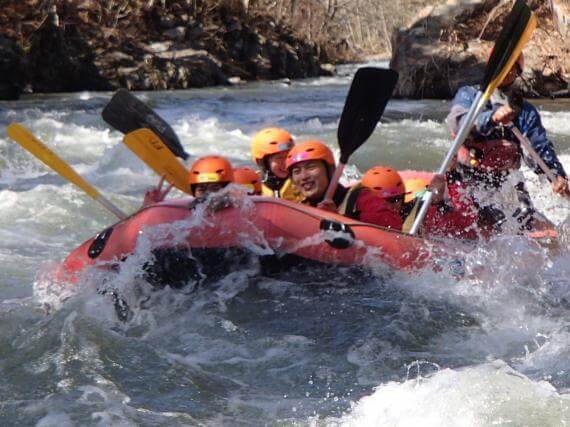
535, 156
516, 32
367, 97
151, 150
28, 141
126, 113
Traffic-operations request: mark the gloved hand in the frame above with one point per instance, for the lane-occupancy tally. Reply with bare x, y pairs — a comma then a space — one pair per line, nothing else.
437, 187
504, 115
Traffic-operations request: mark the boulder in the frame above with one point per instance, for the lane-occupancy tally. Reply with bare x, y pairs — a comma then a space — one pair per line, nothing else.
157, 47
61, 61
328, 69
148, 45
12, 69
447, 47
177, 33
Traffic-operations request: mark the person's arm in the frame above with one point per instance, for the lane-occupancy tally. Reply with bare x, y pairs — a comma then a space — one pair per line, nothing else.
156, 194
460, 106
529, 124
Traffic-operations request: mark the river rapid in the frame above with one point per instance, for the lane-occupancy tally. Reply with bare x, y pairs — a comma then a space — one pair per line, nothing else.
319, 347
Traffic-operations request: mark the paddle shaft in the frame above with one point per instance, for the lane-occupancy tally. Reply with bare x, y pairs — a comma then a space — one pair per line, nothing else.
532, 153
472, 114
110, 207
38, 149
333, 184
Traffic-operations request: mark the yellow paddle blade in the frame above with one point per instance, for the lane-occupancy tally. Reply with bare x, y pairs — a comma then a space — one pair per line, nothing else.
525, 37
28, 141
150, 149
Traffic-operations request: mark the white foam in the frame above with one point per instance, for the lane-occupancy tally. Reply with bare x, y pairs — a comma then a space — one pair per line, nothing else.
556, 122
203, 137
490, 394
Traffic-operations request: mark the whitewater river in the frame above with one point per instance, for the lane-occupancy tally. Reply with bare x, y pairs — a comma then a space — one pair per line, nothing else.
324, 347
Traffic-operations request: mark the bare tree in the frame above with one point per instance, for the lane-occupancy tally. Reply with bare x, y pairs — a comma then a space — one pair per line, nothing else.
366, 25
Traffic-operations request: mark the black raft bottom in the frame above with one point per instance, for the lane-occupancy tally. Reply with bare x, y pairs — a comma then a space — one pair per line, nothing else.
179, 267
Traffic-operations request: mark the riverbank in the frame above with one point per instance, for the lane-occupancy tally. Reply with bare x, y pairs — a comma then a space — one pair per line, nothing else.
447, 47
146, 46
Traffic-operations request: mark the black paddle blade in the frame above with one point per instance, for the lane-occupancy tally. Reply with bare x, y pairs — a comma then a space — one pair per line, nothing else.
127, 113
367, 98
508, 39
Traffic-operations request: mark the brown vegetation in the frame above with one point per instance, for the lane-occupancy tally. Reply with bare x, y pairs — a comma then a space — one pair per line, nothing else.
448, 48
145, 44
344, 29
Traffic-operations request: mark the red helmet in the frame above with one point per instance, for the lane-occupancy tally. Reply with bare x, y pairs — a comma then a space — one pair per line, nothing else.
270, 141
310, 150
384, 181
248, 178
211, 169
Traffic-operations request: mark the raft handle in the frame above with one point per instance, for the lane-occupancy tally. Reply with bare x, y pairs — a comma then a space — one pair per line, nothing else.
99, 243
338, 242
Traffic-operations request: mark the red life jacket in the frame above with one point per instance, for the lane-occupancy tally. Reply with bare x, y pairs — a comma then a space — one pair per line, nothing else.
497, 155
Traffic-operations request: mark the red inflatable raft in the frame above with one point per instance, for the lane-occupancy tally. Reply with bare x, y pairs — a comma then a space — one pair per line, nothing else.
259, 224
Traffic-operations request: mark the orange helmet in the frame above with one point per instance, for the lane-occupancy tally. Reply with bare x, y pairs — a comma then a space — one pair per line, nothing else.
211, 169
270, 141
414, 186
310, 150
386, 182
248, 178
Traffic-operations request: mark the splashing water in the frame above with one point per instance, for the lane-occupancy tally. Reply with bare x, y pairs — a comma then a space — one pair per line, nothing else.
312, 345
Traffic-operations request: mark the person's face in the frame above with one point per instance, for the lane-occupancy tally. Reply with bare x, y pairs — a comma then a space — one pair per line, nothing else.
202, 190
311, 178
276, 164
511, 76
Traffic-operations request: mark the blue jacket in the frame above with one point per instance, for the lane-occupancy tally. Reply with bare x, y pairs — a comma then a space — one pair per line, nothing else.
528, 122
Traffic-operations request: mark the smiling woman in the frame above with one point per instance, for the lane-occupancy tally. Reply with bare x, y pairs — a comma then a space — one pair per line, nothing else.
311, 177
311, 166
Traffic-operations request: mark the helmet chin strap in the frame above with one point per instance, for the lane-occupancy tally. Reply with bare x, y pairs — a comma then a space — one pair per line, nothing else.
271, 180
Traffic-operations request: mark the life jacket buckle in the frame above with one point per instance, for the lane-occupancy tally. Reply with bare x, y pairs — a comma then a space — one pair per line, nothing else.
338, 242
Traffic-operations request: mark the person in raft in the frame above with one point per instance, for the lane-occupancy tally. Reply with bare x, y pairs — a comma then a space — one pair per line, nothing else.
442, 219
269, 150
248, 178
208, 174
492, 150
311, 166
